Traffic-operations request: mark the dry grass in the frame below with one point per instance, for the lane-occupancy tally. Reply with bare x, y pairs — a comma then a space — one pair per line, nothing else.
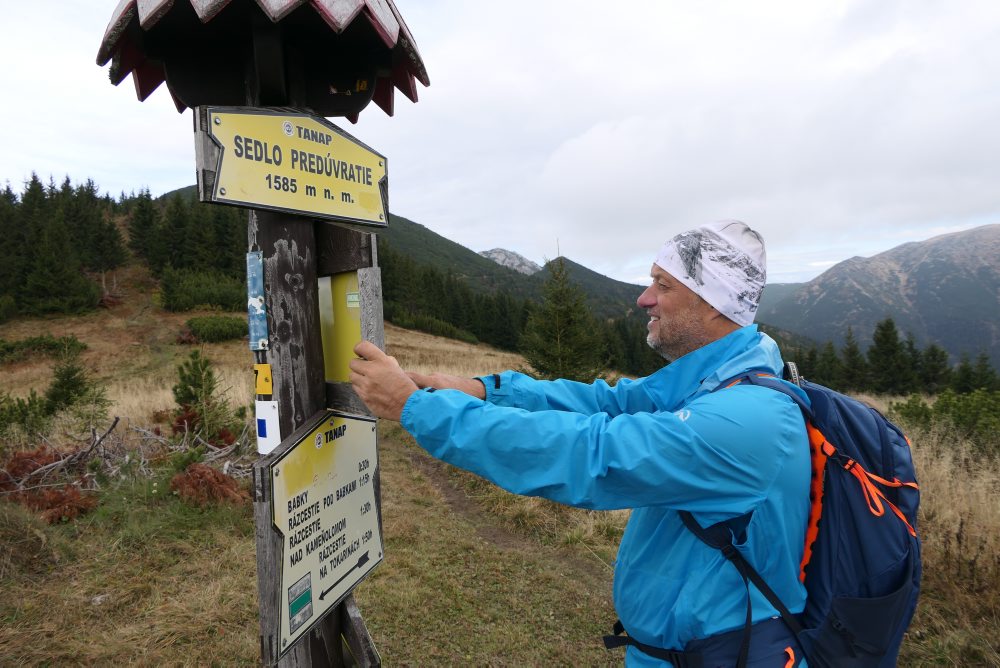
424, 353
474, 576
958, 618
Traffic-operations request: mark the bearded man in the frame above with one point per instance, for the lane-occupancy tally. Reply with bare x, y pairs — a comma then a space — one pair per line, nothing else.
681, 439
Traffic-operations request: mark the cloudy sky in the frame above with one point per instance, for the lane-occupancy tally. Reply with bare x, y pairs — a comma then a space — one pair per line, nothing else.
835, 128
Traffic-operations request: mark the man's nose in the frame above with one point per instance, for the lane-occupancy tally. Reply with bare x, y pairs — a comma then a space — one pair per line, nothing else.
646, 298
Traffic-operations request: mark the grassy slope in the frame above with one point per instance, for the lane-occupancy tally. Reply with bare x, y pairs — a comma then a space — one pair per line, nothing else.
148, 580
473, 575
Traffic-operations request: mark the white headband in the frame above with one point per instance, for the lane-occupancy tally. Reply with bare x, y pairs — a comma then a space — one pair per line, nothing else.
724, 263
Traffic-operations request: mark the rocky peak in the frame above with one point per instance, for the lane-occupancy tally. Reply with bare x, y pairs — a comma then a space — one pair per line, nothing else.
513, 260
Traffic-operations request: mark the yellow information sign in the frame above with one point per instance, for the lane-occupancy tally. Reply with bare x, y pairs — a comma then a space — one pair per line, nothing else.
295, 163
324, 505
340, 323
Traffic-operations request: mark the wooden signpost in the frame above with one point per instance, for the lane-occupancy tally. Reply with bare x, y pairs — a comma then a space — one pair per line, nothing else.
261, 76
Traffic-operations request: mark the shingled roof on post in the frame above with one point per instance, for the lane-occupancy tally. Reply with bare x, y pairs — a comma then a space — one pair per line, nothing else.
148, 39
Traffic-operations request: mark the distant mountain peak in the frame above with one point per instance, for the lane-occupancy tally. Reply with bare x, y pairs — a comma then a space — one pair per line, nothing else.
512, 260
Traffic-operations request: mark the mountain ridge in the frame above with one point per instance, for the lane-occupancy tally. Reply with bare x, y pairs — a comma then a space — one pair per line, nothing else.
944, 290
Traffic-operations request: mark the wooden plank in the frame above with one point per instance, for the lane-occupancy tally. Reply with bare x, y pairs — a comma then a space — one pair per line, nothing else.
405, 82
340, 249
124, 13
126, 58
384, 20
341, 396
151, 11
384, 94
147, 77
292, 305
372, 324
338, 13
279, 9
208, 9
360, 642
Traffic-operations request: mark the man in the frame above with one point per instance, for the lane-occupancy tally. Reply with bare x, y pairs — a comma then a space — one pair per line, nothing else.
673, 441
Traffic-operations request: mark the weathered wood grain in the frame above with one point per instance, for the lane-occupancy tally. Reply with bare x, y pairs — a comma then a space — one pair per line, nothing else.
295, 355
340, 249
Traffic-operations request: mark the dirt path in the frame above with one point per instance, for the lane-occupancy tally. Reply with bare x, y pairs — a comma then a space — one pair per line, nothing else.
457, 588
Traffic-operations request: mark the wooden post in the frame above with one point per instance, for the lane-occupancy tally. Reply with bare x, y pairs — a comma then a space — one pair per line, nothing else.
329, 58
295, 354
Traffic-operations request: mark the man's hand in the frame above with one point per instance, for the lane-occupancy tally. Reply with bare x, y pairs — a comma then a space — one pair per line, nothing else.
380, 382
441, 381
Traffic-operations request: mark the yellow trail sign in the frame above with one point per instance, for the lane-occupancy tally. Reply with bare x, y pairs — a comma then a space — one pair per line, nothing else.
325, 506
291, 162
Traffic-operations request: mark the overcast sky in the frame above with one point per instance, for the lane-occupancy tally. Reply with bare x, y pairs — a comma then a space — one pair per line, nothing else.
834, 128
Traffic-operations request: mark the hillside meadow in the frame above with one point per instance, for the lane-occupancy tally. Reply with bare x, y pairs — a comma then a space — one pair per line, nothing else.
472, 576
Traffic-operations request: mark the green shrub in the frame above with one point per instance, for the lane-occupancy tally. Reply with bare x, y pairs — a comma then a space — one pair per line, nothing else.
215, 328
70, 390
13, 351
69, 383
914, 412
974, 416
196, 380
200, 408
30, 415
184, 290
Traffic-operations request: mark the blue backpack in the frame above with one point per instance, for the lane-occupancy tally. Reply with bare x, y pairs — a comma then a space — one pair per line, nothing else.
861, 566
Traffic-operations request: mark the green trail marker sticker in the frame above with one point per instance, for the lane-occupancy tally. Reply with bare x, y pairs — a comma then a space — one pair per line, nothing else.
300, 607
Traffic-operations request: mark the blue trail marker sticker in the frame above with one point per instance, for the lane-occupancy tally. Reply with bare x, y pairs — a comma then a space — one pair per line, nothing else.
257, 315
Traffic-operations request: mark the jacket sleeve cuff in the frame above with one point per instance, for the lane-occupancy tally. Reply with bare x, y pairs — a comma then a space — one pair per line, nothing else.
412, 407
499, 387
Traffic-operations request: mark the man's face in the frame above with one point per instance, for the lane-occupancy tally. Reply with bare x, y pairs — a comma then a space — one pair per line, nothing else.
678, 318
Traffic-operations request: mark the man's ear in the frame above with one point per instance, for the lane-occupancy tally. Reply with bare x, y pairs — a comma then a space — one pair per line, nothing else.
718, 322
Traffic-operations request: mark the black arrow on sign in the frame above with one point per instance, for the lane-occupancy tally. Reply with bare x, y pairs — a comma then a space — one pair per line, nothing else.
361, 562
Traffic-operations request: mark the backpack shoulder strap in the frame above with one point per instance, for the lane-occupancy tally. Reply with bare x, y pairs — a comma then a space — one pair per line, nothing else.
763, 378
719, 536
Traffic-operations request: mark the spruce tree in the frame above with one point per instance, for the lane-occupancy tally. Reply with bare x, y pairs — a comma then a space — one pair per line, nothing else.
142, 225
963, 380
173, 230
807, 361
887, 360
84, 214
935, 374
10, 233
561, 339
828, 367
199, 240
854, 367
54, 282
107, 250
984, 376
32, 217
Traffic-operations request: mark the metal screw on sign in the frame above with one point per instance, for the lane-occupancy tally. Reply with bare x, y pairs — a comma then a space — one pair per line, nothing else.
275, 473
222, 191
218, 121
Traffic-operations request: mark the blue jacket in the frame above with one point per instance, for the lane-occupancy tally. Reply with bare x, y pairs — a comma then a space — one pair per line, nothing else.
657, 445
